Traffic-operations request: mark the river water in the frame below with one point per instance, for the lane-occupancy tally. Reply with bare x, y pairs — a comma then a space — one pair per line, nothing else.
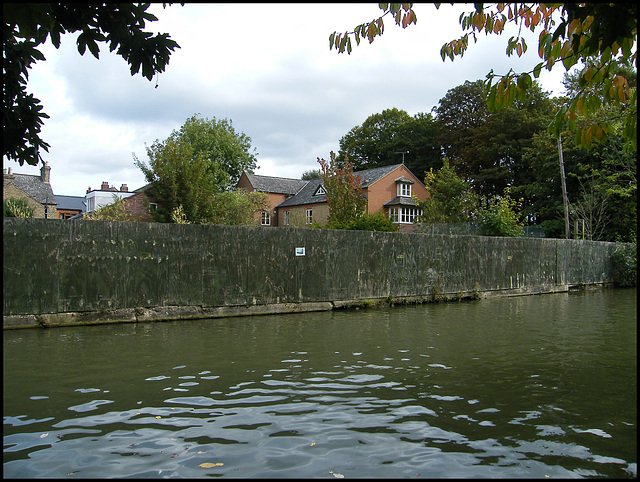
535, 386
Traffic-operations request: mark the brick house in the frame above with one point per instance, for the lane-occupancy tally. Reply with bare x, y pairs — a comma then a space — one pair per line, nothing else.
278, 189
393, 190
35, 189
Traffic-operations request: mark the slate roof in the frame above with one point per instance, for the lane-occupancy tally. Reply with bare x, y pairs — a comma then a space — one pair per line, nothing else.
276, 185
33, 187
306, 194
73, 203
370, 176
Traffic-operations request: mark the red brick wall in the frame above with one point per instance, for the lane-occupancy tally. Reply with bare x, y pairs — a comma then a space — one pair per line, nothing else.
385, 189
138, 206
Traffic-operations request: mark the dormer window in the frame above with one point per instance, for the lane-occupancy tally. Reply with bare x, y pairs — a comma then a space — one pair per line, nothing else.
404, 186
404, 190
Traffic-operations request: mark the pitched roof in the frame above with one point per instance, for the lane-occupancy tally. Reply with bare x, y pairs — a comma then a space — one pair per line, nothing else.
370, 176
276, 185
307, 195
73, 203
33, 187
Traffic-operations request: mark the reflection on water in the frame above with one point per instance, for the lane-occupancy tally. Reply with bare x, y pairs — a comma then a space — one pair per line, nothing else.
518, 387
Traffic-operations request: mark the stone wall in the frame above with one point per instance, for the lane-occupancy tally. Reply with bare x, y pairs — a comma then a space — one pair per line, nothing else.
74, 272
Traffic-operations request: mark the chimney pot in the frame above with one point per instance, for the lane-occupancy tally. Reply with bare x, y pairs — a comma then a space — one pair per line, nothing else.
105, 186
88, 189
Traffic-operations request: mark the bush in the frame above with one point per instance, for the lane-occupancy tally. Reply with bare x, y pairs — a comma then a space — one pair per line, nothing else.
625, 264
15, 207
499, 217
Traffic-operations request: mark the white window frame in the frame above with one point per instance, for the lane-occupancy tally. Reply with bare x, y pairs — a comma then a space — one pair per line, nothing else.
404, 215
309, 216
286, 218
404, 189
265, 218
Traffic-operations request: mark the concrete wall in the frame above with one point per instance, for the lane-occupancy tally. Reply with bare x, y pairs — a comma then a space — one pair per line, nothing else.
66, 272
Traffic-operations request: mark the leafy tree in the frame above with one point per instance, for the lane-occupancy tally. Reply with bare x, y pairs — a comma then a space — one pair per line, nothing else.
17, 207
498, 216
179, 178
344, 196
116, 211
226, 151
311, 174
28, 25
238, 207
487, 148
384, 137
451, 199
599, 36
203, 158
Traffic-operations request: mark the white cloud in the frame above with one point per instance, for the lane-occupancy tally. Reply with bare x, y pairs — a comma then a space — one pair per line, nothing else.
266, 67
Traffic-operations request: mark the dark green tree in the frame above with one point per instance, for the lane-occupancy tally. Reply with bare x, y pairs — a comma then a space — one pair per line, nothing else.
28, 25
487, 147
382, 139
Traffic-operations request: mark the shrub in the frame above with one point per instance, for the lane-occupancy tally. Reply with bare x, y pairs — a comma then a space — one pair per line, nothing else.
15, 207
625, 264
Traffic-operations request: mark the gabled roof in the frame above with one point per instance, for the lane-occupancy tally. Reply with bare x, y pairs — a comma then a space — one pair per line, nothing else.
73, 203
32, 186
370, 176
275, 185
307, 195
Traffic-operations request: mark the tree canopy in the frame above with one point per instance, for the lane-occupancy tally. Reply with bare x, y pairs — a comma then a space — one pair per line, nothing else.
28, 25
203, 158
391, 137
598, 37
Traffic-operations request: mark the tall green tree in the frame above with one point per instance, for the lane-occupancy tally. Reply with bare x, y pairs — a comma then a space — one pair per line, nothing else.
487, 148
595, 35
451, 199
391, 137
180, 180
226, 152
28, 25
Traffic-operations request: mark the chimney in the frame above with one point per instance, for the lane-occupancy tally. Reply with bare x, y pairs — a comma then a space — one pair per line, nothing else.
45, 173
105, 186
88, 189
124, 188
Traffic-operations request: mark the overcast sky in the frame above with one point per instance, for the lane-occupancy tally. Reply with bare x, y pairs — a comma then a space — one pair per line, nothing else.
265, 67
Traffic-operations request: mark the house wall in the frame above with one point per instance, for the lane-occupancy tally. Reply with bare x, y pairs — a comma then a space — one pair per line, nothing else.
274, 199
298, 215
138, 206
10, 190
79, 272
386, 189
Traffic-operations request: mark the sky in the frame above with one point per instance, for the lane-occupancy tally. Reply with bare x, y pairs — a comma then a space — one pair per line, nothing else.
265, 67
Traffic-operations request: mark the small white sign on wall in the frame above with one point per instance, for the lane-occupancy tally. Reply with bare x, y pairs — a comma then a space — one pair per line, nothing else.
299, 251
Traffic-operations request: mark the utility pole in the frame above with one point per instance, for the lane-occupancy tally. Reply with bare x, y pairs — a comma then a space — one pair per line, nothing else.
565, 201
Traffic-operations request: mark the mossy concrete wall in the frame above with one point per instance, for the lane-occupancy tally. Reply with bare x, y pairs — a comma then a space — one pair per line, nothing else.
58, 272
